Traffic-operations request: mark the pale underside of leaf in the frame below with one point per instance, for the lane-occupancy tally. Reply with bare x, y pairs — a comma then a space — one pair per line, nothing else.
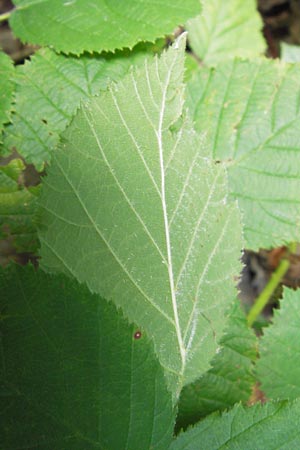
278, 368
251, 113
74, 26
147, 216
225, 30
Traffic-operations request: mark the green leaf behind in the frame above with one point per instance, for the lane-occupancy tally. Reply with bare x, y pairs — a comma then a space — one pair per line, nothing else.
230, 378
271, 426
278, 367
73, 375
76, 25
226, 29
17, 209
6, 89
250, 112
56, 85
141, 215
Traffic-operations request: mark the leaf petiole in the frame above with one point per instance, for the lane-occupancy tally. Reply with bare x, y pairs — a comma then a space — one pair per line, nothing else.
270, 288
6, 16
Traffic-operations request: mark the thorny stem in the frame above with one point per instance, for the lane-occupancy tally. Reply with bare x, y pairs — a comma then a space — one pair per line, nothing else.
6, 16
269, 289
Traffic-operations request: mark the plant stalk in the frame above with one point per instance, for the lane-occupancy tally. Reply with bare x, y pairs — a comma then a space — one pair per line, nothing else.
271, 286
6, 16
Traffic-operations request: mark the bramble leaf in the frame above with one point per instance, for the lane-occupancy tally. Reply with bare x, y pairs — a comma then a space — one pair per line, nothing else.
133, 207
230, 378
250, 112
56, 85
270, 426
226, 29
73, 375
75, 26
6, 89
277, 368
17, 209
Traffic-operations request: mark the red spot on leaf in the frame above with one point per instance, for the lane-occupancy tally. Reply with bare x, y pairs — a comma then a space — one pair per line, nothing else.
137, 335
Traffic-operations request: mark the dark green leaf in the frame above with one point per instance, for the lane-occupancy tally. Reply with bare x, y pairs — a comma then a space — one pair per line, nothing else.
73, 374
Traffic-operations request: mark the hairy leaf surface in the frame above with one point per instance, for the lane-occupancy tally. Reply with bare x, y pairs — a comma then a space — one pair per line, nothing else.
250, 112
17, 209
133, 208
77, 25
226, 29
55, 85
73, 375
6, 89
278, 369
229, 380
271, 426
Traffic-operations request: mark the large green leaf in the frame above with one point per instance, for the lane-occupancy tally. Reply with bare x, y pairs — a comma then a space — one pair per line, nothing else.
271, 426
134, 208
50, 88
74, 374
17, 209
226, 29
76, 25
6, 89
250, 112
229, 380
278, 368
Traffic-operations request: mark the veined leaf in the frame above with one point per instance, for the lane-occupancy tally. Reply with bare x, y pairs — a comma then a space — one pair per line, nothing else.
250, 112
17, 209
230, 378
226, 29
73, 374
133, 208
277, 368
74, 26
6, 89
271, 426
55, 85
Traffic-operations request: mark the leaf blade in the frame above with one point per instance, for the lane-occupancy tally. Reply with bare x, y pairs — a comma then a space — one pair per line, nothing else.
250, 111
76, 26
72, 364
226, 30
159, 210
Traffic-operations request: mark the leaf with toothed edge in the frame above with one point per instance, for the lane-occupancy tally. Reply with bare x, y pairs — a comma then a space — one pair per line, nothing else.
6, 89
73, 376
250, 111
133, 207
56, 85
75, 26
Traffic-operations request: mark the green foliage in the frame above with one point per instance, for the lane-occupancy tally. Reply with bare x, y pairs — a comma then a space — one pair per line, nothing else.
63, 350
226, 29
173, 208
277, 368
56, 85
250, 113
230, 378
17, 208
75, 26
6, 89
154, 167
272, 426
